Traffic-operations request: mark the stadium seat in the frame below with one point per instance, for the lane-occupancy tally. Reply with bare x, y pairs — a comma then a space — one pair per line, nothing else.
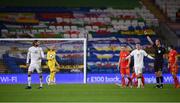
67, 28
88, 28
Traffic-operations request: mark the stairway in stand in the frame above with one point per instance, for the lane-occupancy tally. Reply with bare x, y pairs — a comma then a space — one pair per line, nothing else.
155, 10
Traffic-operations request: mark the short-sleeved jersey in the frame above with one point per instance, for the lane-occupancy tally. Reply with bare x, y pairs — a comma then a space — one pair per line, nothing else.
35, 54
172, 56
159, 52
51, 55
123, 55
138, 57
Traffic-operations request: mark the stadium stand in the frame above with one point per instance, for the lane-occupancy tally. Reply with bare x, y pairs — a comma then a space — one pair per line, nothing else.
14, 56
3, 68
167, 13
106, 29
76, 23
169, 7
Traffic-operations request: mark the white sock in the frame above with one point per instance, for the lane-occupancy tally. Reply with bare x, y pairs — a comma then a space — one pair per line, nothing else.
139, 82
41, 82
29, 81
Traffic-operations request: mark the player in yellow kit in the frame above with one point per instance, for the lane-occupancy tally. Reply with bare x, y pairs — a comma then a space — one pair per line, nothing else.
51, 57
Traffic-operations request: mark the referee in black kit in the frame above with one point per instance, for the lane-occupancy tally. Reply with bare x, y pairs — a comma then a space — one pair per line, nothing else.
158, 62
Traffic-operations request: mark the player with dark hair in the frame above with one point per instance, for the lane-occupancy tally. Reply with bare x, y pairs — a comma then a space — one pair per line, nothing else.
139, 55
172, 65
159, 60
34, 56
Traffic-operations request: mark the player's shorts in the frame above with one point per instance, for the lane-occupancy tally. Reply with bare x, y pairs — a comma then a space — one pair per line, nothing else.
158, 66
173, 69
36, 67
125, 71
138, 70
51, 66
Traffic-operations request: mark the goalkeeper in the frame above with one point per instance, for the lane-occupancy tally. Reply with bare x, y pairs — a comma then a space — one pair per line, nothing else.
51, 57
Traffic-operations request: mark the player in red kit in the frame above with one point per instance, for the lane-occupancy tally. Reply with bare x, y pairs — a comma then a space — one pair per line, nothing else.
172, 65
124, 66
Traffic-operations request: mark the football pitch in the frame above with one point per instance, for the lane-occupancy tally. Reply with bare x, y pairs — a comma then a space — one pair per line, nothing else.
87, 93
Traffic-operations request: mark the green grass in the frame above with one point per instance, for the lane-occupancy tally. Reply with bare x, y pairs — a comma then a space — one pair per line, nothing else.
87, 93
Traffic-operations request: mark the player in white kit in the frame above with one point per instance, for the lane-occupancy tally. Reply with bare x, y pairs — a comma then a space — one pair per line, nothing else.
139, 55
34, 56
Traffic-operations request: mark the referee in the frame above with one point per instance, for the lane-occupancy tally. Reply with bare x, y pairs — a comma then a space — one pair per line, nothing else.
158, 62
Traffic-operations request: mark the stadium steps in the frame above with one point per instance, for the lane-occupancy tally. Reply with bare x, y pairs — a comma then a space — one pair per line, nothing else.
3, 68
155, 10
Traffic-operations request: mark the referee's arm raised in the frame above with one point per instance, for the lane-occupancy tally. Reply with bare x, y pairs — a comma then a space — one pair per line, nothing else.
150, 40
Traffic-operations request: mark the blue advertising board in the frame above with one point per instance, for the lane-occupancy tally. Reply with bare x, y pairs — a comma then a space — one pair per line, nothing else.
78, 78
116, 78
22, 78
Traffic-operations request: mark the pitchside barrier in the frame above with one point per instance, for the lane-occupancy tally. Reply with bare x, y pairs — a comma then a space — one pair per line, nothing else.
70, 78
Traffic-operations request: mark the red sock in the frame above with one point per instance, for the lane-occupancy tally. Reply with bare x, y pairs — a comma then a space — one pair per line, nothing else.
176, 82
129, 81
123, 81
133, 76
143, 80
136, 83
